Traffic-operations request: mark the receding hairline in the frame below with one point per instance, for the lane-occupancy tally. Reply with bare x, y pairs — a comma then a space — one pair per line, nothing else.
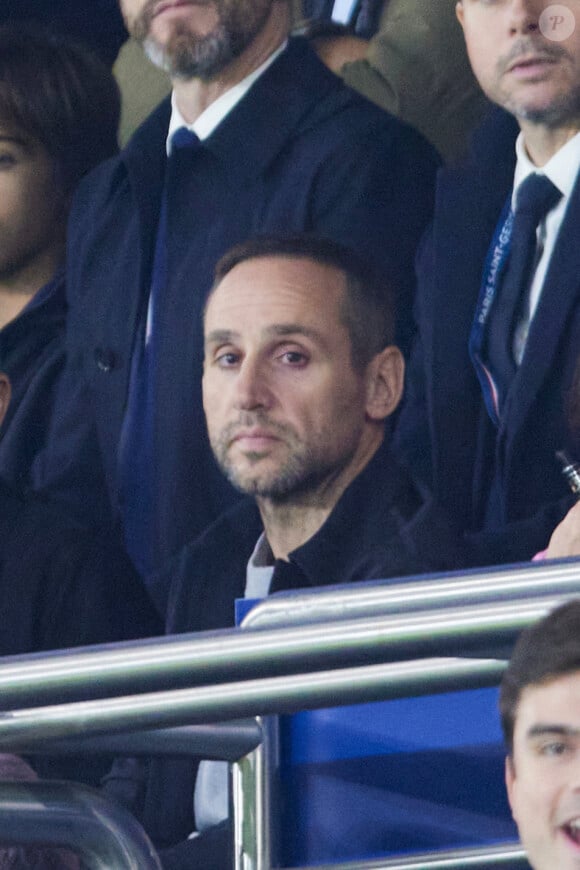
289, 257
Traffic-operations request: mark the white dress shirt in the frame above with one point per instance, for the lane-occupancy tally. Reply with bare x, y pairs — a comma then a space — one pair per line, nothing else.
562, 170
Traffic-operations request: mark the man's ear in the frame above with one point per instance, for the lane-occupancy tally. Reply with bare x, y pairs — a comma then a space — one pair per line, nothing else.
510, 778
5, 393
459, 11
384, 383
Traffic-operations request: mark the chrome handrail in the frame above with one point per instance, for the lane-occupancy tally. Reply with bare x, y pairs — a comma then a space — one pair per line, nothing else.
286, 694
456, 589
103, 833
507, 854
226, 741
281, 669
231, 654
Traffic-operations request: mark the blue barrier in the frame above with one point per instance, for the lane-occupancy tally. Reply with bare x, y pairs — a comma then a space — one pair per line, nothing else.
400, 776
390, 778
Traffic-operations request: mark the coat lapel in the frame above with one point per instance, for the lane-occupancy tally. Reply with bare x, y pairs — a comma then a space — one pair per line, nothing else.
467, 211
559, 295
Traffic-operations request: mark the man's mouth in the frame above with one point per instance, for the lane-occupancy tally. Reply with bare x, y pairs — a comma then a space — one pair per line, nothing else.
162, 7
254, 436
531, 64
572, 830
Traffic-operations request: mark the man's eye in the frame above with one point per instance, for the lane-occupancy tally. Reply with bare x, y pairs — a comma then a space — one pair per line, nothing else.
227, 360
7, 161
294, 357
554, 749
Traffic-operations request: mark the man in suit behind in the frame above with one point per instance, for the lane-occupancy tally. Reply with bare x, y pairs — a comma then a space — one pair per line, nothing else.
498, 294
278, 144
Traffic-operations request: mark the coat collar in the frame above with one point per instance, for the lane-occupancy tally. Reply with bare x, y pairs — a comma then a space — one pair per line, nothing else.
256, 130
370, 512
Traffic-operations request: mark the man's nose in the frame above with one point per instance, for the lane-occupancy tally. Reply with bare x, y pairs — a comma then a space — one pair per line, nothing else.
251, 386
524, 15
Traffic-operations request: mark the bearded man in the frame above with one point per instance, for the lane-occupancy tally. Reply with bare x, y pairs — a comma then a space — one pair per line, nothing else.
257, 136
498, 289
301, 378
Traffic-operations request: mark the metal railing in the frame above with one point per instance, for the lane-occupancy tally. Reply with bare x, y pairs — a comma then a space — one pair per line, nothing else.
104, 834
505, 583
508, 855
144, 685
381, 627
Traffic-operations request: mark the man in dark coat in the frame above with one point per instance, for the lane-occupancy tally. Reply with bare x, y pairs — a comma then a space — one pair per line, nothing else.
489, 378
300, 377
61, 585
281, 145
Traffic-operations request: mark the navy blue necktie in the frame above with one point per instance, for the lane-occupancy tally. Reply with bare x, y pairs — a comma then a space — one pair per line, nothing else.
137, 454
535, 198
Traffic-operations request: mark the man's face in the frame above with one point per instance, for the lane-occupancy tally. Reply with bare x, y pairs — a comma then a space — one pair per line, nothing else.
195, 38
521, 62
32, 205
285, 410
543, 778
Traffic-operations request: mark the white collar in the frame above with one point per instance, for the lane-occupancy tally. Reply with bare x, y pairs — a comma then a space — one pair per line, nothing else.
215, 113
561, 169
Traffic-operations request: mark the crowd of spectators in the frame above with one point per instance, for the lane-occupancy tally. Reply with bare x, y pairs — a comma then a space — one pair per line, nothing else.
204, 335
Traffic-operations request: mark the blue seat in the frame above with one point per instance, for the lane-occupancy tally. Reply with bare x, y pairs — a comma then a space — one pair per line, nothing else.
383, 779
380, 779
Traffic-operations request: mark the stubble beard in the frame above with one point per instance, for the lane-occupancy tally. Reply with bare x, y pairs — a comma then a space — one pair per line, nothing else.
560, 111
188, 55
303, 472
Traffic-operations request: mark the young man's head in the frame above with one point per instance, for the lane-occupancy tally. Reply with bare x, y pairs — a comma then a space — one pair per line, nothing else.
540, 713
198, 40
59, 112
300, 372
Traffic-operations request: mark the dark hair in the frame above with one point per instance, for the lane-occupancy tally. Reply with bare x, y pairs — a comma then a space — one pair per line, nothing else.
367, 310
546, 650
60, 94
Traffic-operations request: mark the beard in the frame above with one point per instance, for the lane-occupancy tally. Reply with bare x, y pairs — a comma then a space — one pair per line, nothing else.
561, 108
187, 54
303, 471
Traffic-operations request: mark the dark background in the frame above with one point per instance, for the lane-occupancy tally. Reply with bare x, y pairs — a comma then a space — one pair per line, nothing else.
96, 22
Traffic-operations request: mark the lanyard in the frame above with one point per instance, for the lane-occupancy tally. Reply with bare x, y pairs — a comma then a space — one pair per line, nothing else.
495, 263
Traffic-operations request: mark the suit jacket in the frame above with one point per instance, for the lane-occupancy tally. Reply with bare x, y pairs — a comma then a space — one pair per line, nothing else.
443, 429
384, 525
60, 585
32, 355
300, 152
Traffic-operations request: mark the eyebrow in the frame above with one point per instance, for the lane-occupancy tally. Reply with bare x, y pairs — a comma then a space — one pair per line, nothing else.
19, 140
14, 140
219, 336
559, 730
